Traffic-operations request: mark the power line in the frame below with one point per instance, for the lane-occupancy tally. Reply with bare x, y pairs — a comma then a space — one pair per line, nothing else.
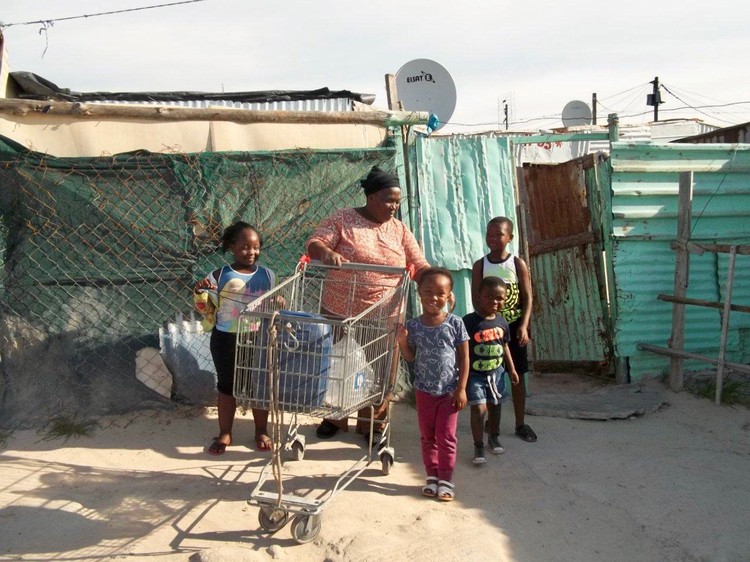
49, 22
692, 107
557, 116
626, 91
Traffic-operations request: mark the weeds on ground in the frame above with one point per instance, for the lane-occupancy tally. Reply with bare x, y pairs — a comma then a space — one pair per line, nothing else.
733, 390
5, 436
64, 427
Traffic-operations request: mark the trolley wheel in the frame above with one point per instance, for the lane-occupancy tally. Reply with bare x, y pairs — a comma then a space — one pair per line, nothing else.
298, 451
305, 528
386, 461
272, 519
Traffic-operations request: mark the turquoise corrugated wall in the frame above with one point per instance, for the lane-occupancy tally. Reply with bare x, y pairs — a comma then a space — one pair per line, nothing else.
462, 183
644, 222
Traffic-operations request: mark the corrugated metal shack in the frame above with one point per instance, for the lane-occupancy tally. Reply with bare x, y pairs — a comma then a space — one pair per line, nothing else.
597, 232
644, 223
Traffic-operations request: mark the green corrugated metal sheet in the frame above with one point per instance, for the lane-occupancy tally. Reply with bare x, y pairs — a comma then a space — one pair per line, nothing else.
462, 183
644, 221
566, 302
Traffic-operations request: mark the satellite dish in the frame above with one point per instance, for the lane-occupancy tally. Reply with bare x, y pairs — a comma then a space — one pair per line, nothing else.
424, 85
576, 113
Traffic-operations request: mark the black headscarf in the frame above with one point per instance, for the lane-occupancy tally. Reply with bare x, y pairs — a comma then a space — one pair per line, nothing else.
378, 179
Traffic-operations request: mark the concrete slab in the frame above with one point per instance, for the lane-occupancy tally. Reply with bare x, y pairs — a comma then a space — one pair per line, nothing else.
611, 402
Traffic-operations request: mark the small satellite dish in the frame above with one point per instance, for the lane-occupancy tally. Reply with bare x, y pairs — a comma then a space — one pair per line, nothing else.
576, 113
424, 85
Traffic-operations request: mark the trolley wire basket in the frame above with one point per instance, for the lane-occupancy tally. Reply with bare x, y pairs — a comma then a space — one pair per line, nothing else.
323, 342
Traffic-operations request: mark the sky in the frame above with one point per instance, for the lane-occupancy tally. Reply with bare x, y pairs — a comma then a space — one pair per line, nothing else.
538, 55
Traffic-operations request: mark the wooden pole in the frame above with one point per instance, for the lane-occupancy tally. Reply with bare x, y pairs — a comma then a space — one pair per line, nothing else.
725, 325
391, 91
613, 122
681, 278
98, 112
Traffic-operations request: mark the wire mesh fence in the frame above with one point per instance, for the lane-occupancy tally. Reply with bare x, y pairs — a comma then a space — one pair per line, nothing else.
101, 254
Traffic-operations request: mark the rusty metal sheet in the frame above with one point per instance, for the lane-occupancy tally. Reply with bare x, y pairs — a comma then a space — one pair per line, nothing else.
557, 195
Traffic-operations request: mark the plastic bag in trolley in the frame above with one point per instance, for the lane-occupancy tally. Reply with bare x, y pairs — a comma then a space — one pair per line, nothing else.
303, 358
351, 379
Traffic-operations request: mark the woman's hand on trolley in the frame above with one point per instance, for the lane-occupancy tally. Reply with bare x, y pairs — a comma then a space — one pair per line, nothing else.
330, 257
459, 399
383, 406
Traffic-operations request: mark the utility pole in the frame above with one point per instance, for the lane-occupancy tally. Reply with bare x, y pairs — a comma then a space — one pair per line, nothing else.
654, 98
505, 104
593, 108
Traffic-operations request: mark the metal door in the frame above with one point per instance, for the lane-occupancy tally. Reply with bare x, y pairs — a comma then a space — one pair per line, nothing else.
569, 324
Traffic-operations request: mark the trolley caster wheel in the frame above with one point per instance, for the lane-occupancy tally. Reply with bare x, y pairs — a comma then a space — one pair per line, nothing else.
386, 461
298, 451
305, 528
272, 519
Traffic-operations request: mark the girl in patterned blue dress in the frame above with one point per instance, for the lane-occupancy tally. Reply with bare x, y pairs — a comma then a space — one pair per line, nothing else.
437, 344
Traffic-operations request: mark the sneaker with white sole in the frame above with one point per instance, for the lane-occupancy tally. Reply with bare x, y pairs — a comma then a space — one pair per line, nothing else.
479, 457
494, 444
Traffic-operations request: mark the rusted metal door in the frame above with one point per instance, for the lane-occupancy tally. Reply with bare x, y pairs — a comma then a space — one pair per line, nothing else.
569, 322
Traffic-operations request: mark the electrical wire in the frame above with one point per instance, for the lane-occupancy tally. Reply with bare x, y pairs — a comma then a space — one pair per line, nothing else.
639, 87
692, 107
49, 22
724, 177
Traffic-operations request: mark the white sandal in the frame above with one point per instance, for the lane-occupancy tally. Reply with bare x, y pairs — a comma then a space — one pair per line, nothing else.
445, 491
430, 489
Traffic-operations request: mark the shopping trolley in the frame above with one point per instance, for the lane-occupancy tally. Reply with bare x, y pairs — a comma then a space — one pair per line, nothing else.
314, 345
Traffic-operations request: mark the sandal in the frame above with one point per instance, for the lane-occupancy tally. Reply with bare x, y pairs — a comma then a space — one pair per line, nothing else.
445, 491
326, 429
216, 448
526, 433
430, 489
263, 442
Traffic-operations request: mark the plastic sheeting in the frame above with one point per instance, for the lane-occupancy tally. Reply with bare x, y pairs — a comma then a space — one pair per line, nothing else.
463, 182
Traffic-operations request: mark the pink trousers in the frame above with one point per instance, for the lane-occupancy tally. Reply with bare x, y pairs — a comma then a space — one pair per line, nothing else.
437, 423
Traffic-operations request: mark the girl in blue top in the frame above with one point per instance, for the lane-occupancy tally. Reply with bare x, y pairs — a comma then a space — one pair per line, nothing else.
230, 289
438, 345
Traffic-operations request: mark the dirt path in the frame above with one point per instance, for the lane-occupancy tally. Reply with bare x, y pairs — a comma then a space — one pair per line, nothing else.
672, 485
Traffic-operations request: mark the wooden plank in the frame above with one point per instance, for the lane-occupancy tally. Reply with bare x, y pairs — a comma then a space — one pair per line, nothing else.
547, 246
725, 325
177, 113
696, 166
739, 367
562, 137
708, 304
681, 278
391, 92
722, 249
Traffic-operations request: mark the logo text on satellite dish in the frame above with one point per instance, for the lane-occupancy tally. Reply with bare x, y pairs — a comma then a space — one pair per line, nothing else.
423, 77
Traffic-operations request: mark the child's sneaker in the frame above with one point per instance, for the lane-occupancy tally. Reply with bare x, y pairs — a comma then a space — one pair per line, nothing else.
479, 454
494, 444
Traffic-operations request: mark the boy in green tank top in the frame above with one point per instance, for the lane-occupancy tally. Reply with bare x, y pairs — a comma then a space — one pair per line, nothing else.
517, 310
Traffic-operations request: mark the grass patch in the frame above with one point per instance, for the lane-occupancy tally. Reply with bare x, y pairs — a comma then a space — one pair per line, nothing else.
5, 436
64, 427
733, 390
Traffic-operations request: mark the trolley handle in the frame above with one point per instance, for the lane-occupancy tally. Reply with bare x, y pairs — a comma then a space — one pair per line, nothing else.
360, 267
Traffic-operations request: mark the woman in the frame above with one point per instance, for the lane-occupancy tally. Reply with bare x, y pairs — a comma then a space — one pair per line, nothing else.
370, 234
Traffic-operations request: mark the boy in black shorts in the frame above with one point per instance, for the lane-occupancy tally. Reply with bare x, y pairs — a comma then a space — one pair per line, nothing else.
489, 359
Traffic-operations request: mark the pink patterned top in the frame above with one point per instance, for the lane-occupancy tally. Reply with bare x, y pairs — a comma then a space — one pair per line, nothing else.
363, 241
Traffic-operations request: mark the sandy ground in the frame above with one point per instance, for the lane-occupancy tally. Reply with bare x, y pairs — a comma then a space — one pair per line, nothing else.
672, 485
